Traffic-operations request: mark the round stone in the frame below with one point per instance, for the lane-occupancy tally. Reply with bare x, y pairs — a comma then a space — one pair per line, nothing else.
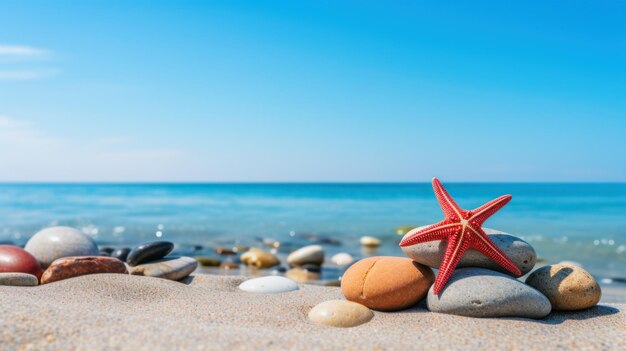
56, 242
121, 254
18, 279
342, 259
172, 268
313, 254
205, 261
270, 284
568, 287
479, 292
147, 252
370, 241
258, 258
340, 313
386, 283
70, 267
224, 251
302, 275
517, 250
16, 259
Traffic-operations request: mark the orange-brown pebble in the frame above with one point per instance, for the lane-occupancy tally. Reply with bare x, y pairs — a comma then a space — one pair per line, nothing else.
387, 283
69, 267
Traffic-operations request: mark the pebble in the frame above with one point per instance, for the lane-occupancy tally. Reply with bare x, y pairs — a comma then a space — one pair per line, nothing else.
147, 252
229, 265
342, 259
340, 313
207, 261
172, 268
370, 241
569, 287
15, 259
517, 250
121, 254
224, 251
269, 284
302, 275
313, 254
18, 279
56, 242
70, 267
106, 251
258, 258
311, 267
387, 283
480, 292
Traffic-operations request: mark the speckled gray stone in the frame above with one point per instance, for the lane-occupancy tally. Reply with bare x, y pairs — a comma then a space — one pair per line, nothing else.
480, 292
517, 250
18, 279
172, 268
53, 243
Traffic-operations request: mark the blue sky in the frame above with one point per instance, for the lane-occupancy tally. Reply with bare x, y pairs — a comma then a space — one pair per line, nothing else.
312, 91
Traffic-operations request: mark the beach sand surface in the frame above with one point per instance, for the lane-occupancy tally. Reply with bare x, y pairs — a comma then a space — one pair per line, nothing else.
116, 311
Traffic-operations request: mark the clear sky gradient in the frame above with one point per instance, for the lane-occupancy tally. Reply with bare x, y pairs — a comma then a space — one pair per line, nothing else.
312, 91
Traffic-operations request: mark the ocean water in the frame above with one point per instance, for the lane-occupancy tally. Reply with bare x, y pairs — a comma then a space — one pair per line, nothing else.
584, 223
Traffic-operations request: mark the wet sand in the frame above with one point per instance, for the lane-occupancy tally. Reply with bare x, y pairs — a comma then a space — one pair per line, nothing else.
115, 311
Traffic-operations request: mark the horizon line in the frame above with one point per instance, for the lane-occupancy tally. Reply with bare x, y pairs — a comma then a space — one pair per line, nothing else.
291, 182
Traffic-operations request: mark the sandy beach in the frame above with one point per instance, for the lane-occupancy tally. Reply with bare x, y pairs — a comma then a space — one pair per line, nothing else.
116, 311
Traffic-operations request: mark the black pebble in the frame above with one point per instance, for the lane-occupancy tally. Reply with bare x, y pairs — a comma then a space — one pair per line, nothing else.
106, 251
147, 252
312, 267
121, 254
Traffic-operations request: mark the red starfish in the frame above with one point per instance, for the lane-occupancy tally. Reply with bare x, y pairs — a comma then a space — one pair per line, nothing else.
462, 230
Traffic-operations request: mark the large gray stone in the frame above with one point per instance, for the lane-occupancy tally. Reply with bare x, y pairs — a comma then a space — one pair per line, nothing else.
517, 250
57, 242
172, 268
479, 292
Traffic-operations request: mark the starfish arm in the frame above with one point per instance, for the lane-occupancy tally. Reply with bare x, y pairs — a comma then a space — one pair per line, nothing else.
450, 208
457, 245
479, 215
487, 247
439, 231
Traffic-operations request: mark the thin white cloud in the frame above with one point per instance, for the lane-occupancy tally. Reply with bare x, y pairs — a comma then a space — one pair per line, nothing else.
21, 54
21, 51
27, 74
29, 154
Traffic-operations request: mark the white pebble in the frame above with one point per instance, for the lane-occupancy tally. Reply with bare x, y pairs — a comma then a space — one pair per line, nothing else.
269, 285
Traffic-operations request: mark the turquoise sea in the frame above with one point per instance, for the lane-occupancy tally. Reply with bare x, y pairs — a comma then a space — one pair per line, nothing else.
585, 223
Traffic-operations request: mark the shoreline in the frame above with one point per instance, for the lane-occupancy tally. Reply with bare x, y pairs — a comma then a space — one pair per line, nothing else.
117, 311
